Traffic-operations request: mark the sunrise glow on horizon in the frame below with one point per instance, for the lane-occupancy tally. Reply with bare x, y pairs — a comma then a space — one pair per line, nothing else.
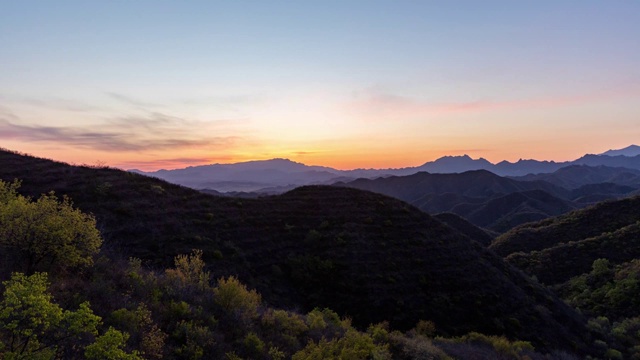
345, 84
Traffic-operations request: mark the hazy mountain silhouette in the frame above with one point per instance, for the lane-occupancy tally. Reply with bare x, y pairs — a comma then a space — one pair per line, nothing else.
594, 193
632, 150
575, 176
632, 162
455, 164
247, 176
283, 174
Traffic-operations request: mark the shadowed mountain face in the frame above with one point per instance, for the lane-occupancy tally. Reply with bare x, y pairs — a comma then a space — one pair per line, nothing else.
365, 255
460, 224
503, 213
556, 249
483, 198
575, 176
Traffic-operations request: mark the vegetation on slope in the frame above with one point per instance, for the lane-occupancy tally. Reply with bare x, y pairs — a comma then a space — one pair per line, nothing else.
592, 259
610, 295
559, 263
179, 313
577, 225
317, 247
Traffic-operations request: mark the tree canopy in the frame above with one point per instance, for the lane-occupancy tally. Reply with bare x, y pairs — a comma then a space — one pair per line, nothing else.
46, 233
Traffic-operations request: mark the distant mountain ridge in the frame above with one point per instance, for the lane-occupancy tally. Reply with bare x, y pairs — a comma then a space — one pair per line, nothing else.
632, 150
575, 176
279, 175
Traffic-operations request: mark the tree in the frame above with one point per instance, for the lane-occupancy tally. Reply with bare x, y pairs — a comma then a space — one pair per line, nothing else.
46, 233
32, 326
234, 297
190, 271
109, 347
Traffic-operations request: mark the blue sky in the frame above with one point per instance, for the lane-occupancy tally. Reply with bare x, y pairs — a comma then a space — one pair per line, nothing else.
154, 84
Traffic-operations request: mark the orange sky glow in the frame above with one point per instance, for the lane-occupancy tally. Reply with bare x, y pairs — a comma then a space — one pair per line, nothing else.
151, 86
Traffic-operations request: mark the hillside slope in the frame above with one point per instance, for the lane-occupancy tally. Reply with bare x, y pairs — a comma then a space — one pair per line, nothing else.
365, 255
485, 199
557, 249
557, 264
577, 225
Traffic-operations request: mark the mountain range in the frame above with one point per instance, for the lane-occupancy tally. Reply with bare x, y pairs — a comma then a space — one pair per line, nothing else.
279, 175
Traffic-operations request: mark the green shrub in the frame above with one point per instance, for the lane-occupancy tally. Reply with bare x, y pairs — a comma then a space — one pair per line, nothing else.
109, 346
33, 326
425, 328
47, 233
234, 297
189, 271
352, 346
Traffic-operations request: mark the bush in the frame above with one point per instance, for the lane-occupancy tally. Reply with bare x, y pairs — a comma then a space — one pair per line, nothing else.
236, 299
189, 271
47, 233
33, 326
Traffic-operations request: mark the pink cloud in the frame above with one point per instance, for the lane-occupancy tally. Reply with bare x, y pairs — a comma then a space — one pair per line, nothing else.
382, 105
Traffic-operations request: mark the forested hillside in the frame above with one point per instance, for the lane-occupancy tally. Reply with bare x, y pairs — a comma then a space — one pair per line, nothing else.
323, 247
590, 257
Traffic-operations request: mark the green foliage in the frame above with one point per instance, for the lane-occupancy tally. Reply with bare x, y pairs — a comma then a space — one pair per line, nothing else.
284, 322
425, 328
231, 355
193, 339
353, 346
379, 332
416, 347
9, 191
189, 271
31, 325
315, 320
500, 344
600, 267
253, 345
627, 332
46, 233
234, 297
144, 332
613, 354
276, 354
606, 291
109, 346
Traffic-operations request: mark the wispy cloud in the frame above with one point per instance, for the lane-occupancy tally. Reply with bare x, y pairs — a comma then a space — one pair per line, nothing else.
155, 131
7, 115
129, 100
171, 163
232, 103
52, 103
305, 152
380, 105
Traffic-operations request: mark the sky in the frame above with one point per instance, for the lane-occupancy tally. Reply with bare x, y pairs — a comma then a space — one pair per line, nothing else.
348, 84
